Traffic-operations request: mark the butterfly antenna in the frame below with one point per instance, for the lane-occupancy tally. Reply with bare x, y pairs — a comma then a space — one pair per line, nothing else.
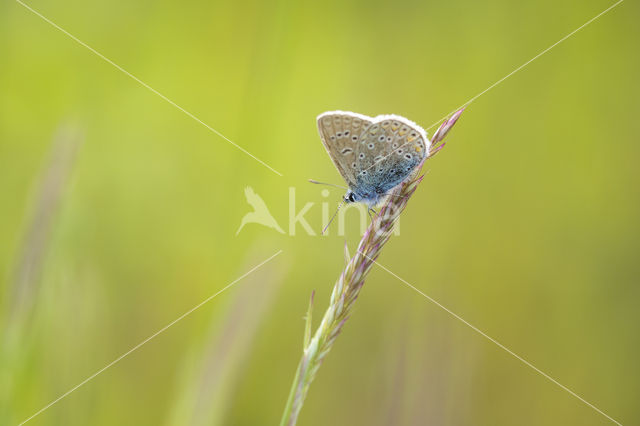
332, 217
328, 184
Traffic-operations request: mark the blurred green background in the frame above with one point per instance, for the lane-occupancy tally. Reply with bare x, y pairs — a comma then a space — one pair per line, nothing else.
119, 212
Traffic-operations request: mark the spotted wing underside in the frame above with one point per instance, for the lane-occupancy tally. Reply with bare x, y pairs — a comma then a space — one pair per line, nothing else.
387, 152
340, 132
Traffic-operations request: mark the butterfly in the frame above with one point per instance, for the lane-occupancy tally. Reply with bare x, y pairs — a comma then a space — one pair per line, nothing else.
373, 154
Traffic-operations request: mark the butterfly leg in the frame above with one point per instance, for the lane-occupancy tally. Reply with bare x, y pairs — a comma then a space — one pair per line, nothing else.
374, 212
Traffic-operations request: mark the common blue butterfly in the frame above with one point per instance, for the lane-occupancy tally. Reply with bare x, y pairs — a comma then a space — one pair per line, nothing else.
373, 155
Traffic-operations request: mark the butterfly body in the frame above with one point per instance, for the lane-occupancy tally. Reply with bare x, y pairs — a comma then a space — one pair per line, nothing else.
373, 154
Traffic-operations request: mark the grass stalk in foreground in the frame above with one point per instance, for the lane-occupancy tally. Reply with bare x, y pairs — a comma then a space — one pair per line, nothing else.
347, 288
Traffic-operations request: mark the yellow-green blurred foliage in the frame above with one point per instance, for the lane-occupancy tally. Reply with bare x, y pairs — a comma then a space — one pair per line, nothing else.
526, 225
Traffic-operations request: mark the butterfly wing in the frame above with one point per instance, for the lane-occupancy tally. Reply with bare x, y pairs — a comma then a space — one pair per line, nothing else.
388, 151
340, 132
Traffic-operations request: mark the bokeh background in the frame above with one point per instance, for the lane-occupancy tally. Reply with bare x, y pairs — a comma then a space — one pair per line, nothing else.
119, 212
